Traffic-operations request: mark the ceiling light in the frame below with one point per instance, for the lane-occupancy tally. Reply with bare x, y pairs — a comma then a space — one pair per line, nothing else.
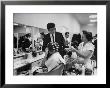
15, 24
93, 16
93, 20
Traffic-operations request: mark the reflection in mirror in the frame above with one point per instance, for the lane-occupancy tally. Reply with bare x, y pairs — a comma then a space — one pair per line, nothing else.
27, 38
27, 46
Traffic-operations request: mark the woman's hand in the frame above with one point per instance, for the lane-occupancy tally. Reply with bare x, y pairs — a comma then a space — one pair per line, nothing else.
72, 49
67, 49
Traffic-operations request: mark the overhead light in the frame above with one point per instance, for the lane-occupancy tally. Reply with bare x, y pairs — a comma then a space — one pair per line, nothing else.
93, 20
15, 24
93, 16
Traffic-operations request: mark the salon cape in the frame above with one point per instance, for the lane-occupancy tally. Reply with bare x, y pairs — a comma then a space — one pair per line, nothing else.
54, 60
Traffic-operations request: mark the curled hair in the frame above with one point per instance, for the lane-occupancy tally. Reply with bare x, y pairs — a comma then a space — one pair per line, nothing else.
50, 25
88, 35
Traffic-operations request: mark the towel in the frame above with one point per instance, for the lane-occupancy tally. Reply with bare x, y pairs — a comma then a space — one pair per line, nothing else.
54, 60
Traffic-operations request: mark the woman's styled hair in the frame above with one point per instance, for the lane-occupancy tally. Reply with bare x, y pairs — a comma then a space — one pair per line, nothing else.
88, 35
50, 25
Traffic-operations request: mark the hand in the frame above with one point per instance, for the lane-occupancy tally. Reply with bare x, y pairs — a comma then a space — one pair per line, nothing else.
72, 48
68, 49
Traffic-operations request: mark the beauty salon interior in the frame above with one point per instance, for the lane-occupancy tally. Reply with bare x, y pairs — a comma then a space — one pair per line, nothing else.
54, 44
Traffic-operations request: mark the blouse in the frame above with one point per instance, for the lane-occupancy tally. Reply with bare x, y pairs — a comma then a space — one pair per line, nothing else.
83, 48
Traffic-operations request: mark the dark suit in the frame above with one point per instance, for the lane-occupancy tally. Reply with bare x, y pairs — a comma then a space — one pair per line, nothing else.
58, 38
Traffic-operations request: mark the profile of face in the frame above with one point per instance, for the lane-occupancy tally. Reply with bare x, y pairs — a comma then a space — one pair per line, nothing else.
52, 30
67, 35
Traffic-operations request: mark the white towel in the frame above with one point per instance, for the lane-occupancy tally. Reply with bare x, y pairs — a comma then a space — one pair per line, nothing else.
54, 60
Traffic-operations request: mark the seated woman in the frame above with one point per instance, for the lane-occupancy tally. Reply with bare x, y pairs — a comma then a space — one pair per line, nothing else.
53, 60
84, 52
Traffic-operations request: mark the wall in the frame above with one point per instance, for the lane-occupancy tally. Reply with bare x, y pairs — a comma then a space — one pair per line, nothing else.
19, 29
91, 28
64, 22
22, 30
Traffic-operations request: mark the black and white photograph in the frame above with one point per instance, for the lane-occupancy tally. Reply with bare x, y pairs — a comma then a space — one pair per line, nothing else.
55, 44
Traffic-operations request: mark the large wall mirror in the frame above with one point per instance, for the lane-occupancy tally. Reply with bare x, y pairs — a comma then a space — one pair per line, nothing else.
27, 38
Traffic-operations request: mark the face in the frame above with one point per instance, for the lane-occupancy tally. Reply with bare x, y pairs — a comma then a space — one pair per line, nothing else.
84, 38
67, 35
52, 30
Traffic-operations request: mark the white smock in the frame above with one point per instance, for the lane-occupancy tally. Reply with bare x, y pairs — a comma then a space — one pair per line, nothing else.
84, 48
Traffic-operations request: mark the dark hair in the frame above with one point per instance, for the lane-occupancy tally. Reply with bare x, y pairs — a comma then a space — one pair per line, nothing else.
88, 35
66, 33
42, 33
50, 25
28, 35
53, 47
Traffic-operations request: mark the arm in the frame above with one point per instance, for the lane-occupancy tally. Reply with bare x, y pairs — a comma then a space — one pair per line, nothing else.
85, 54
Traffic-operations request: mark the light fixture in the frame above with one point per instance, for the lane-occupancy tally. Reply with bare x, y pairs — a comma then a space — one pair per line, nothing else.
93, 20
15, 24
93, 16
